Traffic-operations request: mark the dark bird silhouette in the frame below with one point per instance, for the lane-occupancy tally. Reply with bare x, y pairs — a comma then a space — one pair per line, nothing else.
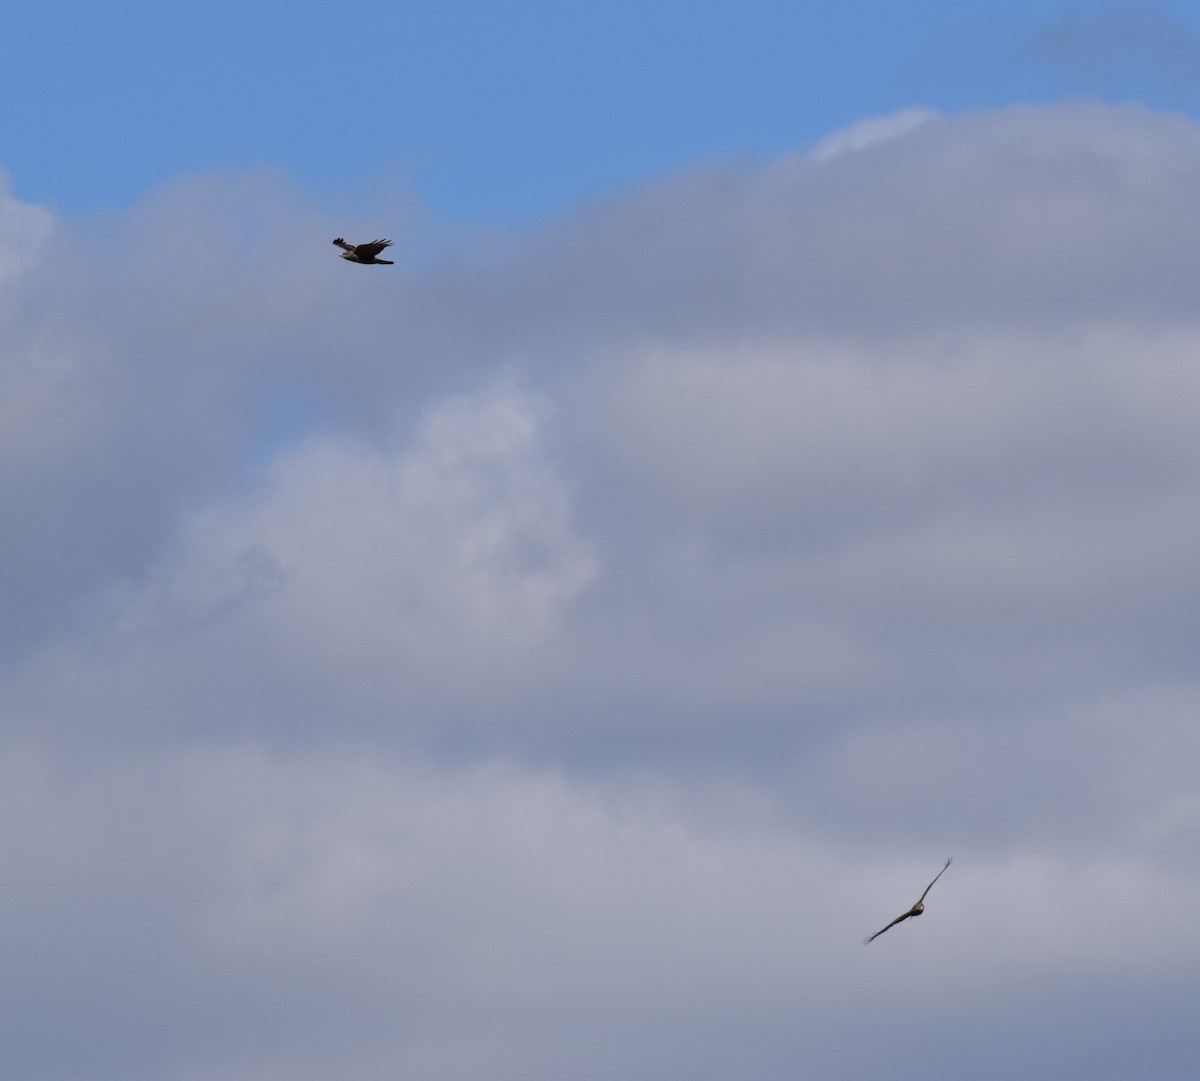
916, 909
365, 253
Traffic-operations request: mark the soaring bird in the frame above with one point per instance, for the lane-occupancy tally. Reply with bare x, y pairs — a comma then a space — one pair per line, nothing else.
916, 909
365, 253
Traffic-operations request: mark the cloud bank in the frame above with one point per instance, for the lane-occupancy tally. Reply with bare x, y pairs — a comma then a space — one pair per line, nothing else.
549, 657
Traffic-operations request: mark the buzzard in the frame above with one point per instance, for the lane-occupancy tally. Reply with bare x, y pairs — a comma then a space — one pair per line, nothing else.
365, 253
916, 909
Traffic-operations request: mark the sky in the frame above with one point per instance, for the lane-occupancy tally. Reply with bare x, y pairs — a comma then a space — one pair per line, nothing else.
769, 469
506, 113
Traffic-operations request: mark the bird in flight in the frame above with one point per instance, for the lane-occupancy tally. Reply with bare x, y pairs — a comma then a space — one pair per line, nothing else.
916, 909
365, 253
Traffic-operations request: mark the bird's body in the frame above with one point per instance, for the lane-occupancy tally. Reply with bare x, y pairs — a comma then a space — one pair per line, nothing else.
916, 909
365, 253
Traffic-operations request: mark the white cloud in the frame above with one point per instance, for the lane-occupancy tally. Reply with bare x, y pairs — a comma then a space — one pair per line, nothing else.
866, 133
25, 231
385, 583
465, 534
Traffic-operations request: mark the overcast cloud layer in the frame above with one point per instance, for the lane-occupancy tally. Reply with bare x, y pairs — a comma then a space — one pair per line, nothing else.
548, 657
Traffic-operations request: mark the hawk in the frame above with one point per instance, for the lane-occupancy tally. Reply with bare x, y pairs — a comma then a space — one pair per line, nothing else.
916, 909
365, 253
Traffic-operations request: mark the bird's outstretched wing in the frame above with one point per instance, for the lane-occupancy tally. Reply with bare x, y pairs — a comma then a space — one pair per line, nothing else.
369, 251
342, 244
898, 919
921, 899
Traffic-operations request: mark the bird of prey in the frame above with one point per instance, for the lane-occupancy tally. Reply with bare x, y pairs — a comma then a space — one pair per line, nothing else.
916, 909
365, 253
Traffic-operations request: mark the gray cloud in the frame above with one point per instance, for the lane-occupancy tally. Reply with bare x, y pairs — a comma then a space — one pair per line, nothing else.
550, 659
1118, 49
1119, 52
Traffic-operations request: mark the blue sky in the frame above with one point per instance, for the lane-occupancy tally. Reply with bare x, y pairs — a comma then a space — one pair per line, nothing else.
508, 111
769, 468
